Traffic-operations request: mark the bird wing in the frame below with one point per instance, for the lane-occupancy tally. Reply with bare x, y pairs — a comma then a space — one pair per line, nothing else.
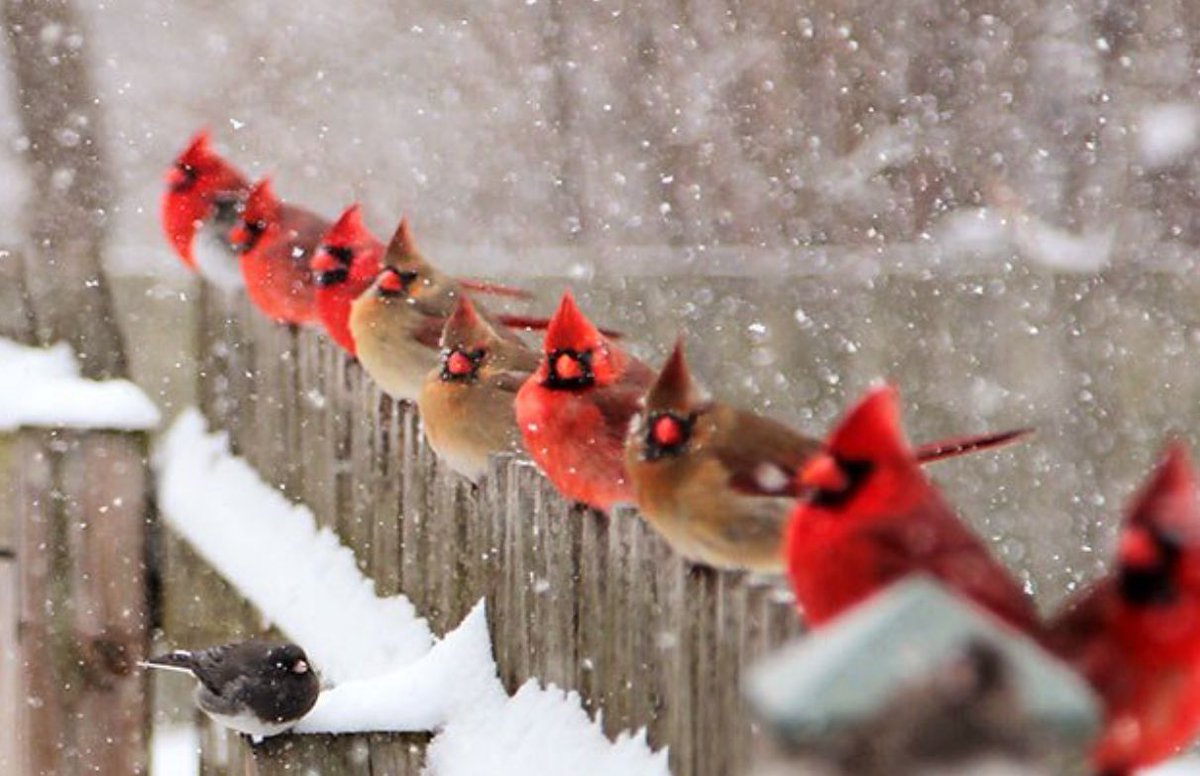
222, 669
760, 454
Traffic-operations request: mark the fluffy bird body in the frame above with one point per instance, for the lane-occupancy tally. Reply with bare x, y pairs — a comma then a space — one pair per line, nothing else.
253, 687
719, 482
574, 411
276, 241
871, 518
344, 266
466, 402
201, 204
1135, 634
397, 322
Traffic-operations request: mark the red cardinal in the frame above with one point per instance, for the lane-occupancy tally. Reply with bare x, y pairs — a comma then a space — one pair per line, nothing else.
1135, 635
203, 196
871, 518
344, 266
275, 241
574, 411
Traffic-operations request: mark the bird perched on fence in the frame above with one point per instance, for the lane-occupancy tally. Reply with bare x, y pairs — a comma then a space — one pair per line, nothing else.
717, 482
1135, 634
397, 322
871, 518
574, 411
204, 194
344, 266
466, 402
254, 687
275, 241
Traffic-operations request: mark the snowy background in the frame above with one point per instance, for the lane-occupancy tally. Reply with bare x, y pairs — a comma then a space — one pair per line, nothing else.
516, 129
998, 210
817, 194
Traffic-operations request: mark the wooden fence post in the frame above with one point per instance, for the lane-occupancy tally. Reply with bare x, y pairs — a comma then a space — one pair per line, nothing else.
78, 503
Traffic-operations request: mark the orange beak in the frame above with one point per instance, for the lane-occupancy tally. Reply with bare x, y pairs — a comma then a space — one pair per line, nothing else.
567, 367
324, 262
822, 472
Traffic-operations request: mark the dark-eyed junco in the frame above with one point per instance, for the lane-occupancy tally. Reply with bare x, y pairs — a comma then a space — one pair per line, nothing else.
256, 688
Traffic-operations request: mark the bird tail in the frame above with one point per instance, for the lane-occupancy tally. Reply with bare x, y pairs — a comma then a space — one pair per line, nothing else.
956, 446
540, 324
494, 289
179, 660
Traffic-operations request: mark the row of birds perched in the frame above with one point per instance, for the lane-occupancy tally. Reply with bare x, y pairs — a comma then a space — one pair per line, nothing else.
843, 517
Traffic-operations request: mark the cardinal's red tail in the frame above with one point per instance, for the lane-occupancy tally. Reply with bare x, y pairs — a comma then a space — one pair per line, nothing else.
494, 289
955, 446
540, 324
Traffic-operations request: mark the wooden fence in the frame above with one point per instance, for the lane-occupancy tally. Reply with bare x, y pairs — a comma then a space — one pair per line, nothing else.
74, 604
592, 603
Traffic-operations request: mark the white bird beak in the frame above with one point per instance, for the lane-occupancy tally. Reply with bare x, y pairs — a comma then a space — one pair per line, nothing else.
300, 667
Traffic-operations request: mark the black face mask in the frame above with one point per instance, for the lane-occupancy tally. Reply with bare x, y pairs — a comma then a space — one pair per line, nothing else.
585, 379
656, 448
856, 473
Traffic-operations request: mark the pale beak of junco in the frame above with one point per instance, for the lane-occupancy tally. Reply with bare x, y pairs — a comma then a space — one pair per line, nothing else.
300, 667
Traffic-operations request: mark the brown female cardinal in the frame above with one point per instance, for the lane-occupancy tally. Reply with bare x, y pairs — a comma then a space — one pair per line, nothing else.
716, 481
871, 518
204, 194
275, 241
574, 411
397, 322
345, 265
1135, 634
467, 401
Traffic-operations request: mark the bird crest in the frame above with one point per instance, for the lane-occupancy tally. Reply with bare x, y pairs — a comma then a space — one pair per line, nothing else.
871, 431
1167, 499
464, 328
348, 231
674, 388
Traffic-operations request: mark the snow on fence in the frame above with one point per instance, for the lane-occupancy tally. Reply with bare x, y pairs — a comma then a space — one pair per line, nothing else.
591, 603
74, 608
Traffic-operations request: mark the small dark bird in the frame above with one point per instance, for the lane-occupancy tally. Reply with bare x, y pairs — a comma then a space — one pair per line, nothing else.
256, 688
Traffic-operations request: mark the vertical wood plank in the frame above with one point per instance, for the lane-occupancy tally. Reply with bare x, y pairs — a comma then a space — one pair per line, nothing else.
10, 669
44, 571
105, 515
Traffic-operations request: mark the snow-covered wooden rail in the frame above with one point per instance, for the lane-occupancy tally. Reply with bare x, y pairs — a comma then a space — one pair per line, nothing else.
74, 586
592, 603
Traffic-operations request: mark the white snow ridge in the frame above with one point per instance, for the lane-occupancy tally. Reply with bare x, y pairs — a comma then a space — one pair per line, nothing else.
44, 387
388, 674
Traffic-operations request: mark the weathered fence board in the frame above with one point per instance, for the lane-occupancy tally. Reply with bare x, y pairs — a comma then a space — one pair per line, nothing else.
78, 504
589, 602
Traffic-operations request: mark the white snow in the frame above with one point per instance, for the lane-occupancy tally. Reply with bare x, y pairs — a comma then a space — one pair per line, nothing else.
175, 751
456, 674
44, 387
1167, 133
537, 731
387, 672
297, 575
